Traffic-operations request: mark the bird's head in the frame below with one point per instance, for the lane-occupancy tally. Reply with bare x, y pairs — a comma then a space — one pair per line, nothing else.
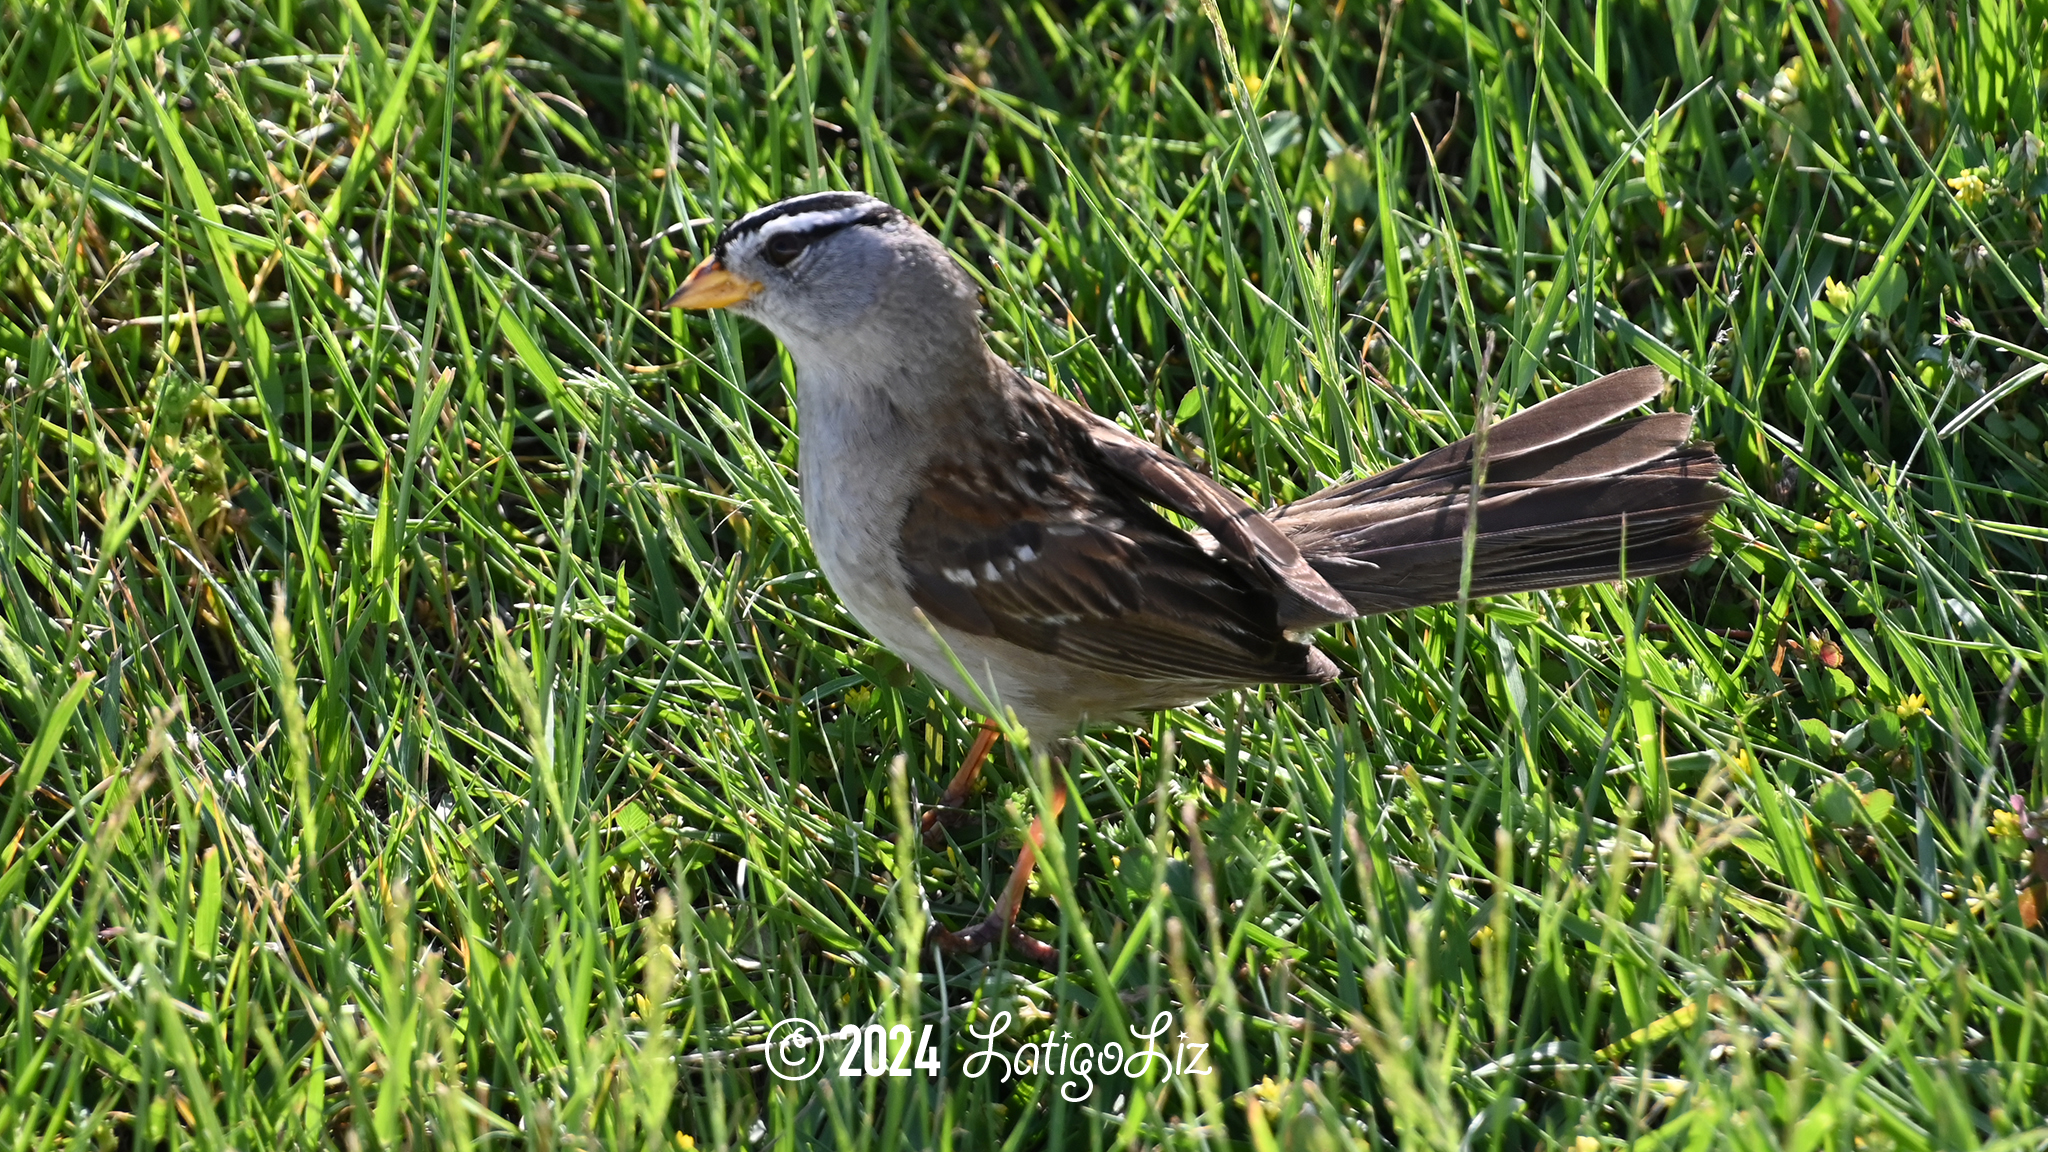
837, 275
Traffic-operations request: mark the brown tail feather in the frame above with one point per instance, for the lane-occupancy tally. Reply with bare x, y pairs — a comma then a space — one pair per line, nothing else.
1568, 499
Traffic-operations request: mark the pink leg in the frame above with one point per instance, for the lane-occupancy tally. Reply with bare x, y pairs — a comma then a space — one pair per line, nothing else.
1002, 922
948, 812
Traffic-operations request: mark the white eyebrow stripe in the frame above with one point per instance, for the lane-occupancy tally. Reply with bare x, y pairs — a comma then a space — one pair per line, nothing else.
820, 224
823, 217
814, 204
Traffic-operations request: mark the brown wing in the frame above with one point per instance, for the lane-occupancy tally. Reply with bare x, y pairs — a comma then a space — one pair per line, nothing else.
1242, 533
1033, 538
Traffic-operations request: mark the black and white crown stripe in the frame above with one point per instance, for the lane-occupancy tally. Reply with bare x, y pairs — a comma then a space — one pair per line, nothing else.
810, 217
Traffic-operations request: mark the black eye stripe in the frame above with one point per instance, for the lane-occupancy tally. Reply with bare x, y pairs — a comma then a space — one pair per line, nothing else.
831, 205
795, 241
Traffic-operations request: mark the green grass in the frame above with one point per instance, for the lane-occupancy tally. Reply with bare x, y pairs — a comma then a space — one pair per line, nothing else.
424, 723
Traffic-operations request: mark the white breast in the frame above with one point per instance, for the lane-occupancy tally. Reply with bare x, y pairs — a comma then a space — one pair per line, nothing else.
860, 461
857, 468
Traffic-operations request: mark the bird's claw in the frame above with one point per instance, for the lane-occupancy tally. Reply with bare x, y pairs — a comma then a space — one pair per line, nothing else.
988, 932
938, 820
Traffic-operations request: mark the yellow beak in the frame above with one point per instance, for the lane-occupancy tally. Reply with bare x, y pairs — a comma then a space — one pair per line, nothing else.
709, 285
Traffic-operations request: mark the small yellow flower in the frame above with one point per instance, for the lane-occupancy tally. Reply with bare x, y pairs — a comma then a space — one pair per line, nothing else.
1785, 86
2005, 822
1838, 293
1741, 764
1585, 1144
1970, 189
1912, 706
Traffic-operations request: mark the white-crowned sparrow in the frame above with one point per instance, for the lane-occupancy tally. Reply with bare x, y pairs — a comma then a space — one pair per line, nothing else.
973, 520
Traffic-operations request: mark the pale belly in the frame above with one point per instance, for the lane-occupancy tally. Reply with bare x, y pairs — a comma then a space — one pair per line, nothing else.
853, 531
854, 528
854, 553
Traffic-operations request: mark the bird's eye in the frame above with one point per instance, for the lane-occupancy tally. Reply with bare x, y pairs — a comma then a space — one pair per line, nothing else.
783, 248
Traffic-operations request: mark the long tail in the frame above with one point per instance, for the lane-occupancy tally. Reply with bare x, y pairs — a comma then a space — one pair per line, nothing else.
1567, 499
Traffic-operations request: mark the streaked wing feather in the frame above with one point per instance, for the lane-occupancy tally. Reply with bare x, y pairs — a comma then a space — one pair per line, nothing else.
1242, 533
1031, 539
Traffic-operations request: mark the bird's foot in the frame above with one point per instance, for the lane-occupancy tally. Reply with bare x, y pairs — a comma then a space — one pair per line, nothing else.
937, 820
996, 927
